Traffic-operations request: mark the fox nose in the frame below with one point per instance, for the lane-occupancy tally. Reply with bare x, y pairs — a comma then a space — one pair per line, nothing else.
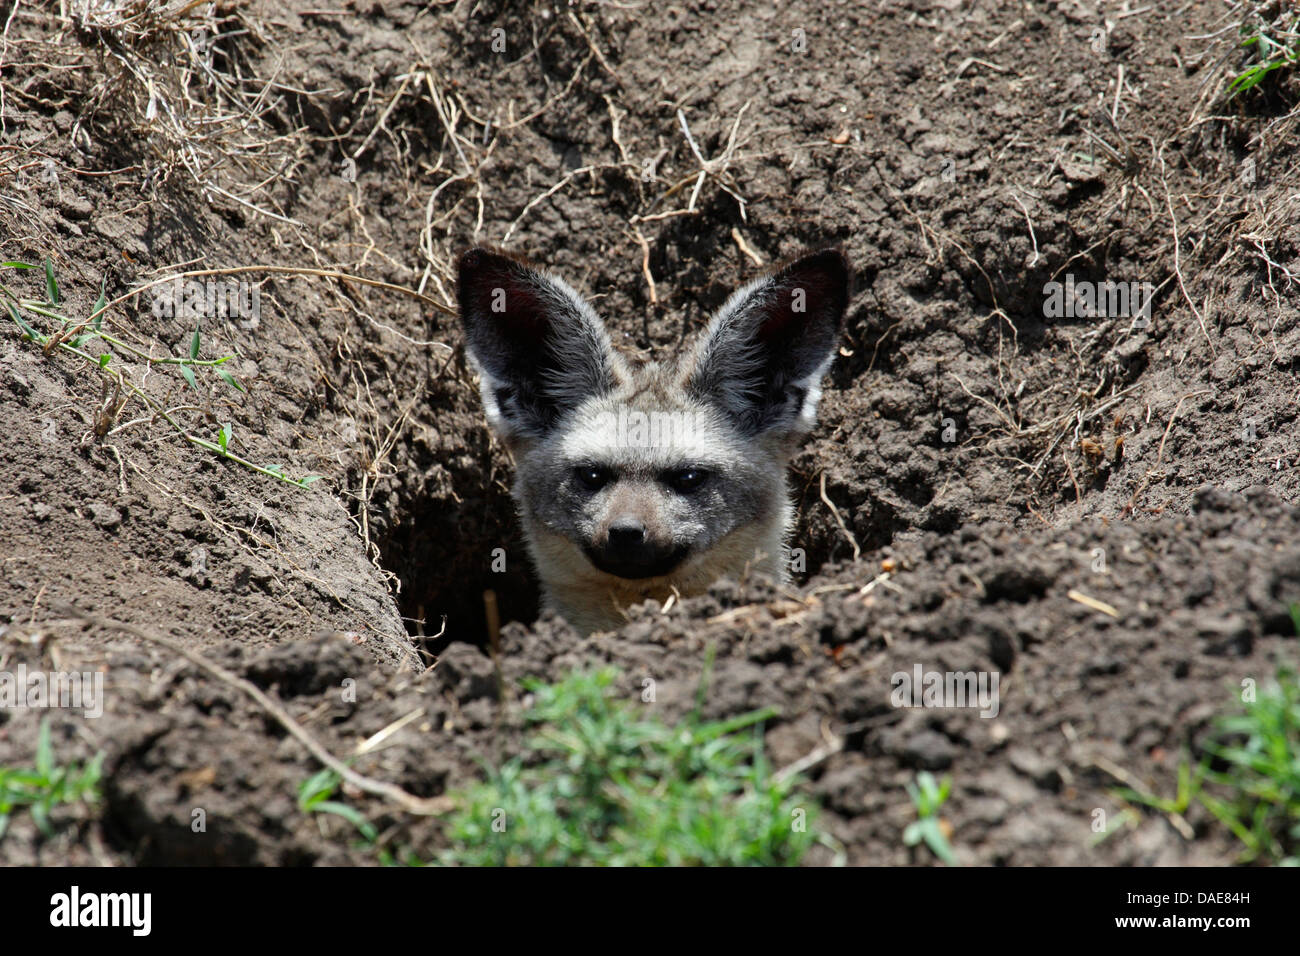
629, 551
626, 535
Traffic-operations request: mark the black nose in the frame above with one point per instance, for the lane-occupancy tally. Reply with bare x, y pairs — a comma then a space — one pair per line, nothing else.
629, 552
626, 535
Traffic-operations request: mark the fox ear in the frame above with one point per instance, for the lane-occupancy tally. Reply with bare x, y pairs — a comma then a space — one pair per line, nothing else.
538, 346
763, 356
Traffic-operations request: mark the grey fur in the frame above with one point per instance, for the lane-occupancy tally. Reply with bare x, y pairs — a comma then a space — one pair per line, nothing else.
733, 407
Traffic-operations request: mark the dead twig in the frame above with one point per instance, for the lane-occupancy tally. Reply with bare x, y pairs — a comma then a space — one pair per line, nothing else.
857, 551
1178, 270
645, 265
746, 248
433, 806
278, 270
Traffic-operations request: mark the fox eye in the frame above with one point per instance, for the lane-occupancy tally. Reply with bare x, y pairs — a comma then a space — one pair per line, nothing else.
591, 477
686, 480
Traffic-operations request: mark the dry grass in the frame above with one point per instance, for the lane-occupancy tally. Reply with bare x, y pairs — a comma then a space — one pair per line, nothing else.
173, 77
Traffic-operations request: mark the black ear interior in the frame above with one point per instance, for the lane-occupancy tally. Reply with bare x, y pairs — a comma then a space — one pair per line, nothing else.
530, 336
801, 321
505, 322
764, 353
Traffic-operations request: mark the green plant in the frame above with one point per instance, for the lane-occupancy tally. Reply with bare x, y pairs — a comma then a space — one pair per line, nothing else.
1273, 44
42, 788
315, 796
601, 784
75, 337
1249, 778
928, 796
1254, 757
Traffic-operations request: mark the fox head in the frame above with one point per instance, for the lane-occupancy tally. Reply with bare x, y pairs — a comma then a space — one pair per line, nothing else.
637, 480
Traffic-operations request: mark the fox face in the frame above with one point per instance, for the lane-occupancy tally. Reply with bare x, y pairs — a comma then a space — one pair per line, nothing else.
643, 480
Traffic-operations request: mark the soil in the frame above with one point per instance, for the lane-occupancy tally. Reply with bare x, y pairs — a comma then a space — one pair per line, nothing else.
1100, 510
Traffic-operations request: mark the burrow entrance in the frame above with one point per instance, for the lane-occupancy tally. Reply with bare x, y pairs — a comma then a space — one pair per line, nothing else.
448, 554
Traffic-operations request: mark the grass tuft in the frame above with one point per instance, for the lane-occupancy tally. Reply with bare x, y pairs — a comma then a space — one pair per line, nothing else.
42, 788
73, 336
1254, 761
601, 784
1272, 45
928, 796
1249, 777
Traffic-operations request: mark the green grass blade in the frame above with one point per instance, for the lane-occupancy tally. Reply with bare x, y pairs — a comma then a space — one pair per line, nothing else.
27, 330
44, 749
97, 313
51, 286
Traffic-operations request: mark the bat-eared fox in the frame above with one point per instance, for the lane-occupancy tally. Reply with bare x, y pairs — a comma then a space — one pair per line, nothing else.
635, 481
